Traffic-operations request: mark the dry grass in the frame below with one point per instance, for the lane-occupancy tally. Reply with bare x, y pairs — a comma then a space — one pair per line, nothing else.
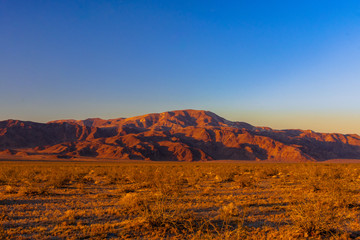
179, 201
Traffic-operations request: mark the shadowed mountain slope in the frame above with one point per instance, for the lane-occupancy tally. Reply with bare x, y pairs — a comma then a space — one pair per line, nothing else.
184, 135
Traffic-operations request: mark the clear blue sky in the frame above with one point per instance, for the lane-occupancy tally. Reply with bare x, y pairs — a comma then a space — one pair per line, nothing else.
283, 64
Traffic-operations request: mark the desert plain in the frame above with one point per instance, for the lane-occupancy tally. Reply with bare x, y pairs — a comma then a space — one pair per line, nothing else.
179, 200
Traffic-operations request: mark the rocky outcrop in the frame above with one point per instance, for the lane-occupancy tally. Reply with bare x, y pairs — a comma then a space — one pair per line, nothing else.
186, 135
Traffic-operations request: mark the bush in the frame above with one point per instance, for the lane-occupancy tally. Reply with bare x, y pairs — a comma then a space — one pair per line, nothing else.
33, 189
316, 218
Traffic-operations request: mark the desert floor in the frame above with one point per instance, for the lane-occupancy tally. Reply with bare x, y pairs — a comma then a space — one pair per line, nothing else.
171, 200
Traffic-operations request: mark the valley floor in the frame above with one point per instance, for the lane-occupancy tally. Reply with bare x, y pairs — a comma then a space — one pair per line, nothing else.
107, 200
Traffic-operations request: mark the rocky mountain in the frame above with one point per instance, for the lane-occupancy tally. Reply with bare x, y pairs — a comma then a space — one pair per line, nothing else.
185, 135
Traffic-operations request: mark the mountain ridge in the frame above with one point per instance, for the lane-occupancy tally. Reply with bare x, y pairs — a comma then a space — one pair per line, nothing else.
181, 135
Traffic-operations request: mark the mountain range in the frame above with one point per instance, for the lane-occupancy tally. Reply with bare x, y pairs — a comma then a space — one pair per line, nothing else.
184, 135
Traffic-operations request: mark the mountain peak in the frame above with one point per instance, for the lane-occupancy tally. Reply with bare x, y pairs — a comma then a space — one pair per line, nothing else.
179, 118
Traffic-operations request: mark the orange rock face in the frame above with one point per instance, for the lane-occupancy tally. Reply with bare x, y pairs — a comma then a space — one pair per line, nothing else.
186, 135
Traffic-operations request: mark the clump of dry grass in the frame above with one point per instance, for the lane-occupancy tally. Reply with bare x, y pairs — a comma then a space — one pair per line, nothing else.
267, 172
225, 176
161, 218
245, 181
10, 189
102, 231
158, 216
317, 219
70, 217
134, 203
34, 189
228, 211
59, 180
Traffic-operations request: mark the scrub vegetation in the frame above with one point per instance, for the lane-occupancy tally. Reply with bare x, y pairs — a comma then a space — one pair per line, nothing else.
107, 200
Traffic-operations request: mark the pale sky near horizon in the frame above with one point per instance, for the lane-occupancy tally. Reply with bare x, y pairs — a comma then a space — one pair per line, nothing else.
282, 64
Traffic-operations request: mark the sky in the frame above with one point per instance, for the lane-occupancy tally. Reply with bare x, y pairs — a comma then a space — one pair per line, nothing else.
281, 64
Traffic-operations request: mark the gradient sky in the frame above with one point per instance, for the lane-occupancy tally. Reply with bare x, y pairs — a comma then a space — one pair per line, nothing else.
282, 64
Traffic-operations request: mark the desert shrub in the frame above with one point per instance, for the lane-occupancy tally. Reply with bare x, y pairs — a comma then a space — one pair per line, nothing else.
21, 175
59, 179
225, 176
267, 171
168, 182
158, 215
231, 224
314, 184
116, 176
70, 217
9, 175
141, 175
102, 231
31, 175
325, 172
207, 191
228, 211
34, 189
126, 189
165, 220
341, 193
134, 203
245, 181
316, 218
10, 189
78, 174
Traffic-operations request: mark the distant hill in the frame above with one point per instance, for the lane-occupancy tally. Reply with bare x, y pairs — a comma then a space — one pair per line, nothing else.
184, 135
